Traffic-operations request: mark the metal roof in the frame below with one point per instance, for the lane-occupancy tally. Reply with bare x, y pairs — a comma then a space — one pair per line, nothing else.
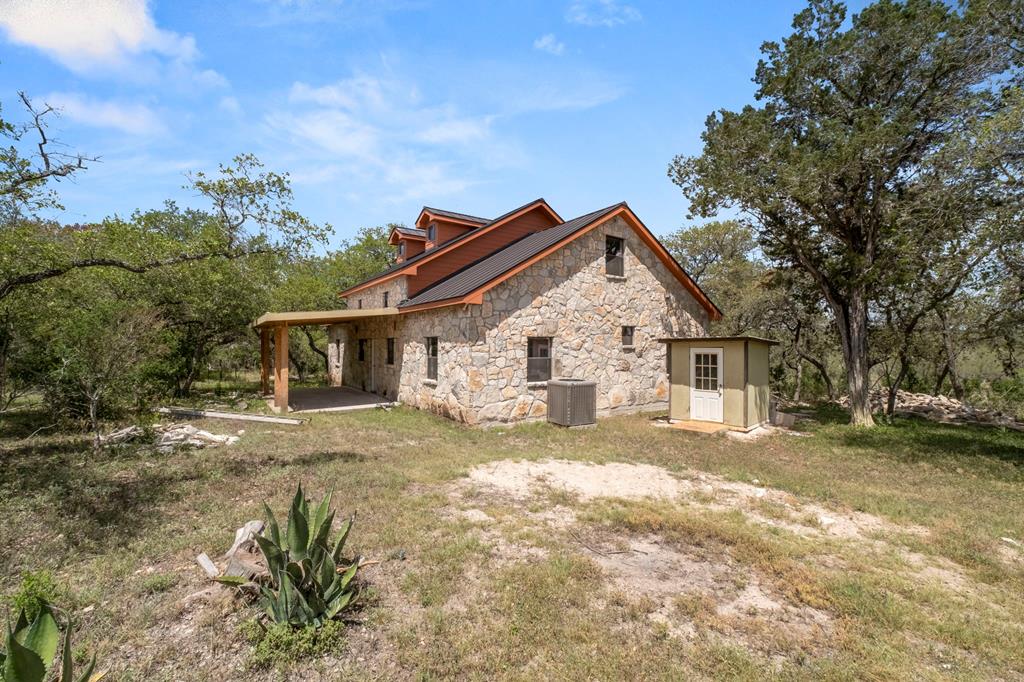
415, 231
456, 215
475, 275
770, 342
462, 237
320, 316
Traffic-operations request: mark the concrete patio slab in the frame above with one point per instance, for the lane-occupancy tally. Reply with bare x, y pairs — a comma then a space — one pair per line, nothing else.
334, 399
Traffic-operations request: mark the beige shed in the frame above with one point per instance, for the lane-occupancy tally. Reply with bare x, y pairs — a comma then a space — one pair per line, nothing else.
719, 379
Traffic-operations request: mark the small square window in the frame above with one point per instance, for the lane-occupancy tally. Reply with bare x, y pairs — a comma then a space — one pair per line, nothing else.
362, 350
627, 336
432, 358
538, 359
387, 295
391, 350
614, 258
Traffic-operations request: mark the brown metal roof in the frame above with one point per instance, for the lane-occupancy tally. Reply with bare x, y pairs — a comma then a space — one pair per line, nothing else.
475, 275
412, 260
770, 342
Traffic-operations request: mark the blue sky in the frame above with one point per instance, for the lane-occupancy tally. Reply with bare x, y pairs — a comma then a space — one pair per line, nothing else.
377, 108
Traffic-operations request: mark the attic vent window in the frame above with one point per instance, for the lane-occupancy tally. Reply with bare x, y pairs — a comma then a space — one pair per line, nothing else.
614, 261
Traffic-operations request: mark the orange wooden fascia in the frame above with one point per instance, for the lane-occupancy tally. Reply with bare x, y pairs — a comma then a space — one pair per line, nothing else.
445, 248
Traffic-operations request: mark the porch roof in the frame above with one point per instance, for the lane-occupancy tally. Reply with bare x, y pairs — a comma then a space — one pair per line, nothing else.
301, 317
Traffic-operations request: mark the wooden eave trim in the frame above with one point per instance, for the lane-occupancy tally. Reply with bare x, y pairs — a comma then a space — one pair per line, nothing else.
448, 246
475, 297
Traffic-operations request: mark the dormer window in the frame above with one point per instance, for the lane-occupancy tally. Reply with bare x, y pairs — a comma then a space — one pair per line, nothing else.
432, 233
401, 249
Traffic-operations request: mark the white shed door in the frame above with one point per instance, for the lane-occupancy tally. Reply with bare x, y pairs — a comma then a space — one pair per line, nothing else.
706, 384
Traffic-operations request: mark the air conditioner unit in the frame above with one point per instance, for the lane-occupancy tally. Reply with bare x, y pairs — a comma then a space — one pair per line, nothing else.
572, 402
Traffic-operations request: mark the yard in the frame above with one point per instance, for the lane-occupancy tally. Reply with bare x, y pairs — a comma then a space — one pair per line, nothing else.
842, 554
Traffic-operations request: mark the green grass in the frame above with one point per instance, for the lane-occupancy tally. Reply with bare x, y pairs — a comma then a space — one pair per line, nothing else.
119, 530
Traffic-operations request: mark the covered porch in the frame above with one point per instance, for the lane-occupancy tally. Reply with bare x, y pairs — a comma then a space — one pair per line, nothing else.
273, 331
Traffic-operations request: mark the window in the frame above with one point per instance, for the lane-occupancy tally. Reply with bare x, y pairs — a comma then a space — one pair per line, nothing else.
359, 304
401, 249
386, 294
538, 359
362, 350
705, 371
391, 351
432, 358
627, 336
613, 257
432, 233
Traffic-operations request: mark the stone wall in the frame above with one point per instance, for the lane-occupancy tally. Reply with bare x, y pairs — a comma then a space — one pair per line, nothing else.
373, 297
568, 297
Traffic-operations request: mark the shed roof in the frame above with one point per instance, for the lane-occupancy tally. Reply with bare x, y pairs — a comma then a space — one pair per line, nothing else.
301, 317
761, 339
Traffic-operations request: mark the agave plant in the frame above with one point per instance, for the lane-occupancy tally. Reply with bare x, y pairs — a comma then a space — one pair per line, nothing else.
310, 581
30, 649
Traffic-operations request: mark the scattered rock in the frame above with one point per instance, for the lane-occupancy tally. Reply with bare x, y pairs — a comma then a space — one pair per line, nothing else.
208, 566
1012, 543
168, 437
938, 408
244, 537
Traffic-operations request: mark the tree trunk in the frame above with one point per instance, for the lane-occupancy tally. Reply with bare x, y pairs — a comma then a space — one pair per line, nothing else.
94, 421
298, 367
312, 347
820, 366
894, 386
852, 322
942, 378
947, 344
799, 379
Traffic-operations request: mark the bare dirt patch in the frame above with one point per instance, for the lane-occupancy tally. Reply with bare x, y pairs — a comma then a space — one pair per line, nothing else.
524, 479
630, 481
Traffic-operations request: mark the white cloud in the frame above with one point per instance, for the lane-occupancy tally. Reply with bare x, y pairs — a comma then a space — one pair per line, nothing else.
608, 13
134, 119
548, 43
91, 36
460, 131
381, 136
230, 105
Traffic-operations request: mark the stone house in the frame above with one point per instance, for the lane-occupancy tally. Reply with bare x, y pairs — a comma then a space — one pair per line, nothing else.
477, 314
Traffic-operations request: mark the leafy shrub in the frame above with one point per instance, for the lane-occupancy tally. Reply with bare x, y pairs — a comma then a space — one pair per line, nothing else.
310, 582
37, 589
30, 648
281, 643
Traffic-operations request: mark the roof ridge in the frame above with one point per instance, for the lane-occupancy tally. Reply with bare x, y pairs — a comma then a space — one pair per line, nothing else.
460, 214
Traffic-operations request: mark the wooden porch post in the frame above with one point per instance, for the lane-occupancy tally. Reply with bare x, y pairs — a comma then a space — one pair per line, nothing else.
281, 368
264, 361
